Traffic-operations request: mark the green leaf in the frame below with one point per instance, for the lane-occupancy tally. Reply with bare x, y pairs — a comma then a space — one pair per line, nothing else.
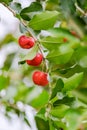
56, 37
8, 39
16, 7
81, 56
61, 55
59, 111
21, 62
31, 54
81, 94
66, 100
22, 93
41, 100
51, 42
57, 88
34, 7
6, 1
22, 28
41, 124
60, 125
8, 61
72, 82
51, 125
27, 122
43, 20
64, 33
52, 4
41, 114
73, 119
4, 82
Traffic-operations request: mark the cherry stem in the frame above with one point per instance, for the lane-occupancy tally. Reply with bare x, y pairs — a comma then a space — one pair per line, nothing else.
30, 31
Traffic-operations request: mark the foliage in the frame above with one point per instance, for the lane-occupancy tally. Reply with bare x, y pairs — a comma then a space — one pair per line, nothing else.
59, 28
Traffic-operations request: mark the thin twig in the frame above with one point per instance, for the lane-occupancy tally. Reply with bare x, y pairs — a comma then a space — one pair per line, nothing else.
29, 30
44, 59
8, 104
9, 9
80, 10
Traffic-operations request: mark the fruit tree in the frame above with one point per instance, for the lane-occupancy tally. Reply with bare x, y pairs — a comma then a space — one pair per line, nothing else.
51, 75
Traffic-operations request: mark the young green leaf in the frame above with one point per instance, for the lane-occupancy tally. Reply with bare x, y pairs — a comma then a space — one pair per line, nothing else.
43, 20
73, 119
52, 127
41, 124
61, 55
81, 56
27, 122
72, 82
16, 7
60, 125
61, 33
21, 62
31, 54
4, 81
6, 1
57, 88
81, 94
34, 7
22, 28
41, 100
22, 93
51, 42
59, 111
66, 100
41, 114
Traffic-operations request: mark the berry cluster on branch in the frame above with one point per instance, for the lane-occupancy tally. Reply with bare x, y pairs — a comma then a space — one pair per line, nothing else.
39, 77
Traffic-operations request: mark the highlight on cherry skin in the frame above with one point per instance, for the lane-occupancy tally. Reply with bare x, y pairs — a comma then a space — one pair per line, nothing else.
26, 42
36, 61
40, 78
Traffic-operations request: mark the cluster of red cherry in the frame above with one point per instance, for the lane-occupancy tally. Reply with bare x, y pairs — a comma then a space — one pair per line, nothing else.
39, 77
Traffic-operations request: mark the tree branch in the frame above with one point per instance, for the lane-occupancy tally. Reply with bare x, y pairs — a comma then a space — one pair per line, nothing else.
29, 30
80, 10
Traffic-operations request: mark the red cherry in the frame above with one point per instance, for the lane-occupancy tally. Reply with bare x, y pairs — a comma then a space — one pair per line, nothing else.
36, 61
74, 34
26, 42
65, 39
40, 78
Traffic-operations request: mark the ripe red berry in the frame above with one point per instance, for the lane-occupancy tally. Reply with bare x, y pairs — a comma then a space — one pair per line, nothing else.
65, 39
36, 61
40, 78
26, 42
74, 34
